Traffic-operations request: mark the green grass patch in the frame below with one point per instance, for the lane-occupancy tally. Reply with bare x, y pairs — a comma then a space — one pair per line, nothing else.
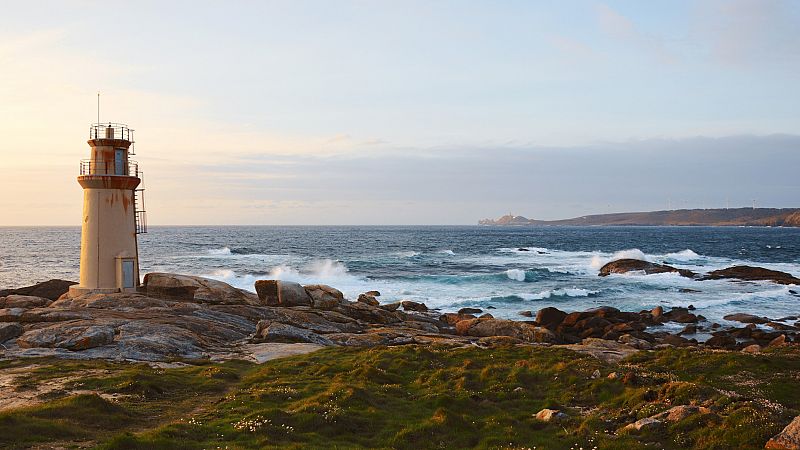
417, 397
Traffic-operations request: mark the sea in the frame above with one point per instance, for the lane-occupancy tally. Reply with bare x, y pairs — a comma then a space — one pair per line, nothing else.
501, 270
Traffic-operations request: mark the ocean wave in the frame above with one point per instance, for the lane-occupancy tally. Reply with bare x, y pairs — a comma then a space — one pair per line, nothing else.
320, 270
516, 274
560, 292
598, 260
447, 252
522, 250
683, 256
241, 281
407, 254
491, 278
330, 272
549, 294
227, 251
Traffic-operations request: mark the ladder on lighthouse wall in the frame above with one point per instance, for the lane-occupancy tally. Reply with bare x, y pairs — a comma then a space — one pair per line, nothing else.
139, 214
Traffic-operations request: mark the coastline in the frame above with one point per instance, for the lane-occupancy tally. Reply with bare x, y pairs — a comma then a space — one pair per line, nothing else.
195, 363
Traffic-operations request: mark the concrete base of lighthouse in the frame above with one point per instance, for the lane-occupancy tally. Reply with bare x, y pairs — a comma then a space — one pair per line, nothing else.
77, 291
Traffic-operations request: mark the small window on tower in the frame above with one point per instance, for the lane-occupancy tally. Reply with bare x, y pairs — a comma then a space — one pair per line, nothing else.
119, 161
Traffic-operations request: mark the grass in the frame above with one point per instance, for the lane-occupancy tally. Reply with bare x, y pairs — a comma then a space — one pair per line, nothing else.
413, 397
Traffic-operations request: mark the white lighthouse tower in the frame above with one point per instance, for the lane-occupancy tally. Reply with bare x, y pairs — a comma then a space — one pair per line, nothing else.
113, 212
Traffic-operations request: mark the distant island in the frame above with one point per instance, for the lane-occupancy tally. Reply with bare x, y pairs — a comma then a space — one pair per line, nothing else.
774, 217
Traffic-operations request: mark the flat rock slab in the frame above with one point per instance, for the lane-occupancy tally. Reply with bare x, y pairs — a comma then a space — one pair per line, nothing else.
607, 351
273, 350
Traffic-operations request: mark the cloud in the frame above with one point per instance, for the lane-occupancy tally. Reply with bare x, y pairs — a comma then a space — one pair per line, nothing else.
573, 48
747, 32
625, 30
464, 184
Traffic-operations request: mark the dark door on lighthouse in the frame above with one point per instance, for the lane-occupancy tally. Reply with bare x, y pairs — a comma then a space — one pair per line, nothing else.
127, 274
119, 161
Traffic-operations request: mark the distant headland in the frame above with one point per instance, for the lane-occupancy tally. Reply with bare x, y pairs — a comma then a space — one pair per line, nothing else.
776, 217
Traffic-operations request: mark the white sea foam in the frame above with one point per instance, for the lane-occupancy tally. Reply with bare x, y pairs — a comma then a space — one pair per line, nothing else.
516, 274
599, 260
245, 282
325, 271
560, 292
318, 271
683, 255
219, 251
407, 254
524, 250
447, 252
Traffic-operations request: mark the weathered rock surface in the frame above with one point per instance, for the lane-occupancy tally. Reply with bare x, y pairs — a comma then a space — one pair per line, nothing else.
368, 299
788, 439
324, 296
604, 350
282, 293
51, 289
68, 336
680, 412
746, 318
498, 327
195, 289
176, 316
454, 318
280, 332
637, 265
23, 301
647, 423
9, 330
390, 306
550, 317
750, 273
408, 305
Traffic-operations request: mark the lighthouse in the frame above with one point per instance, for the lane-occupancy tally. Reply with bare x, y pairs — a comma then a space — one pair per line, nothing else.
113, 212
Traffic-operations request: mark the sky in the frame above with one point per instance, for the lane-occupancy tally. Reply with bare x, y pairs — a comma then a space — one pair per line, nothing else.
403, 112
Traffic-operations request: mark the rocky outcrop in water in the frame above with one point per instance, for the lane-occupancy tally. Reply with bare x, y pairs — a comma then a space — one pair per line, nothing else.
736, 273
749, 273
637, 265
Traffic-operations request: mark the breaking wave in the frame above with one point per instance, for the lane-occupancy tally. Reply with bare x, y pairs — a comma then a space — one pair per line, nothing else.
599, 261
561, 292
325, 271
516, 274
683, 256
407, 254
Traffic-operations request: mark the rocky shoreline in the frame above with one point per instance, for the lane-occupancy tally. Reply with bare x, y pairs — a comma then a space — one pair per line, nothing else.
178, 322
185, 317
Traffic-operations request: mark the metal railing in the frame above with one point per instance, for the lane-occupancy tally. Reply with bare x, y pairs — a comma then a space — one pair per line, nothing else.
109, 167
110, 130
141, 222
